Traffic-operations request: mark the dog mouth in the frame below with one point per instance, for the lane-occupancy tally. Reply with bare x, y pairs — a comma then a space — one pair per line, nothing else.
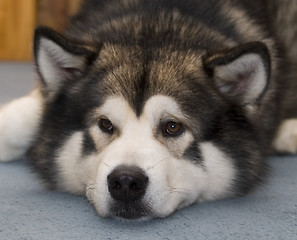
130, 210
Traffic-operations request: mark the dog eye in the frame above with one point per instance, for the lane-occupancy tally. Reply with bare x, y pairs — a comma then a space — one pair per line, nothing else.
106, 125
172, 129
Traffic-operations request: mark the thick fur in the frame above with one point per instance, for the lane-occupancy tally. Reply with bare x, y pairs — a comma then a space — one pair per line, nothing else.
224, 70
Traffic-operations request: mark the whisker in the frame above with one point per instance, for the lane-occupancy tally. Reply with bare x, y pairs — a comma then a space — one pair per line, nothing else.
91, 202
91, 186
149, 168
91, 183
90, 178
184, 189
179, 190
106, 164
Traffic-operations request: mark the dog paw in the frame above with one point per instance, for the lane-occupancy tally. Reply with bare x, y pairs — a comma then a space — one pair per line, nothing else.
9, 149
9, 153
286, 137
19, 121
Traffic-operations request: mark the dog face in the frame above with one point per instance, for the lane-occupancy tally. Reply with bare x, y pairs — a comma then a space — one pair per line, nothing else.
144, 137
145, 168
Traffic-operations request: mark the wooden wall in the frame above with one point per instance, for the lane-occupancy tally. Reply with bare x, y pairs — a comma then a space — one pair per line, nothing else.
56, 13
18, 19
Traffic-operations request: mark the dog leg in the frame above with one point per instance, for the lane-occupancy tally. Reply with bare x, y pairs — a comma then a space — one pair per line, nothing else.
286, 137
19, 121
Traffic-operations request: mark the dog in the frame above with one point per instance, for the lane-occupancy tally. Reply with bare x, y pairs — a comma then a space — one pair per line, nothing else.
147, 107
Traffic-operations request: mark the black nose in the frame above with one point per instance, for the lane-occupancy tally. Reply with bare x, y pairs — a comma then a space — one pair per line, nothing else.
127, 183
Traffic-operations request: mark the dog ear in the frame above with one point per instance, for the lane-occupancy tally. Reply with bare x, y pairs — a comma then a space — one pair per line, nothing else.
241, 73
59, 59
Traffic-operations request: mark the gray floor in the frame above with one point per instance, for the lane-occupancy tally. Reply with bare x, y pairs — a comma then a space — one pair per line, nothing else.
28, 211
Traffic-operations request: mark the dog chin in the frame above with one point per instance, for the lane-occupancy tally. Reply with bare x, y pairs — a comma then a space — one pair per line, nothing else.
137, 210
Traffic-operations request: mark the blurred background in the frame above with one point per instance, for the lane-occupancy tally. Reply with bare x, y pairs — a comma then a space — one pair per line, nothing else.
18, 19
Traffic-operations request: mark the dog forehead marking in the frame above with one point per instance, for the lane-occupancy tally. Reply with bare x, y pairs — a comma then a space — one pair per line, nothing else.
160, 106
157, 107
117, 110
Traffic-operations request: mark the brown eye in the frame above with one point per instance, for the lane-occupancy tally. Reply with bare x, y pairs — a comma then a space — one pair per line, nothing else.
106, 125
172, 129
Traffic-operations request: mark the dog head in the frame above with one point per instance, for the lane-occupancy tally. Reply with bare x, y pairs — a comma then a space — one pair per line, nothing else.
144, 132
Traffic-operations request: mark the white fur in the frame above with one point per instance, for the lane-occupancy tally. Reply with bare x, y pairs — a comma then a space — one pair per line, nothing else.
74, 170
286, 137
19, 122
219, 172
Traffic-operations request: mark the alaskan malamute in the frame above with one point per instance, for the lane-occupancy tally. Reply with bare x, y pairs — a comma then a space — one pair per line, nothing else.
148, 106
